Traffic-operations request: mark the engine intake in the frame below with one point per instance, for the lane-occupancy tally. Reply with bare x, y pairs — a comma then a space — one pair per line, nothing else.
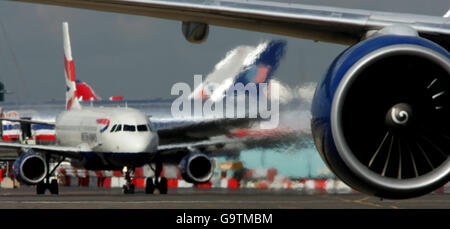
30, 168
380, 116
196, 168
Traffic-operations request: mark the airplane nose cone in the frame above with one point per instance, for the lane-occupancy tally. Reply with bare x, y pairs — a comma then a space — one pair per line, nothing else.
143, 144
138, 146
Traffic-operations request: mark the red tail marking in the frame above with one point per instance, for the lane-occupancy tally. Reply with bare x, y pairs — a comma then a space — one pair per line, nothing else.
85, 92
262, 74
70, 72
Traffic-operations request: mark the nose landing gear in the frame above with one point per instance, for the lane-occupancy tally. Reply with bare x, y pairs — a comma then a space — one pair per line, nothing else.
128, 188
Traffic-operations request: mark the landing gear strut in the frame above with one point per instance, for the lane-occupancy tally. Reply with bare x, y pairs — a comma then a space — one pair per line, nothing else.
128, 188
156, 183
52, 186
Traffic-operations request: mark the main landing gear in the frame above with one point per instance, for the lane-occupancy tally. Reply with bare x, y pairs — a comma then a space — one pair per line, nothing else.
157, 182
152, 183
45, 184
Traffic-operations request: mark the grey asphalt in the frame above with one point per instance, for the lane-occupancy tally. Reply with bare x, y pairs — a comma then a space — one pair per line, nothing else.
102, 198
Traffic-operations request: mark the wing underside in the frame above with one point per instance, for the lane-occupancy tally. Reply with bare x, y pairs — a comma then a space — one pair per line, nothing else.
70, 152
330, 24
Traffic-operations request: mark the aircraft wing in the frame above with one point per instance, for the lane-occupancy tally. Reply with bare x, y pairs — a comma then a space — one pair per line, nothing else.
320, 23
249, 141
234, 142
201, 130
26, 121
71, 152
199, 144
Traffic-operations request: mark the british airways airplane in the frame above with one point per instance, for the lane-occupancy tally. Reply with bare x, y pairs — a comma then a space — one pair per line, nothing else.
121, 137
380, 114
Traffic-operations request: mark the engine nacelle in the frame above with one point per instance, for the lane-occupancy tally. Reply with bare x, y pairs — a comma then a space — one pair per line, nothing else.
30, 168
380, 116
196, 168
195, 32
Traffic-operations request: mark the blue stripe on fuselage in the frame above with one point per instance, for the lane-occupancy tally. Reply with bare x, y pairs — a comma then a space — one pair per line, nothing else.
42, 127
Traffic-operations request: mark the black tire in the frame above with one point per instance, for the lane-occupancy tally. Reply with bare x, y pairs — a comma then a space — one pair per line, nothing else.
40, 188
128, 189
162, 185
131, 189
54, 188
149, 186
125, 189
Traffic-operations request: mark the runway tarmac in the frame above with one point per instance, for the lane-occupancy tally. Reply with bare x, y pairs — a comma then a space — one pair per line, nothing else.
102, 198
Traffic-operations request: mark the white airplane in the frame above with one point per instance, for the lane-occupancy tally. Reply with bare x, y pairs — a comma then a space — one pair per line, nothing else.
106, 138
380, 114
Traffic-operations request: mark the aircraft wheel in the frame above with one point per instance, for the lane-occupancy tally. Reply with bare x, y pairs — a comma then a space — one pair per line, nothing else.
40, 188
54, 188
162, 185
149, 186
128, 189
131, 189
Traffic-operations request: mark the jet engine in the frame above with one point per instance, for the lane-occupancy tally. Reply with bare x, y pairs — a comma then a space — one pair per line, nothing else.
380, 116
196, 168
195, 32
30, 168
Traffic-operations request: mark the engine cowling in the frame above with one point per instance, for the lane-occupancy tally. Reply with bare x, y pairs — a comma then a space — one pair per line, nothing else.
380, 116
195, 32
196, 168
30, 168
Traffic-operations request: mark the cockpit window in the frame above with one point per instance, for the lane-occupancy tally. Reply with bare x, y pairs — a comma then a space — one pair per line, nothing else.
150, 127
113, 128
129, 128
142, 128
119, 128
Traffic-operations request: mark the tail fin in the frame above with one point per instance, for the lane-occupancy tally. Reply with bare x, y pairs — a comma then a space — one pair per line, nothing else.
71, 88
242, 65
263, 64
85, 92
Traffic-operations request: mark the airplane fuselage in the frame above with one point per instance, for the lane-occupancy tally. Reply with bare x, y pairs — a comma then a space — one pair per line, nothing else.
107, 136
